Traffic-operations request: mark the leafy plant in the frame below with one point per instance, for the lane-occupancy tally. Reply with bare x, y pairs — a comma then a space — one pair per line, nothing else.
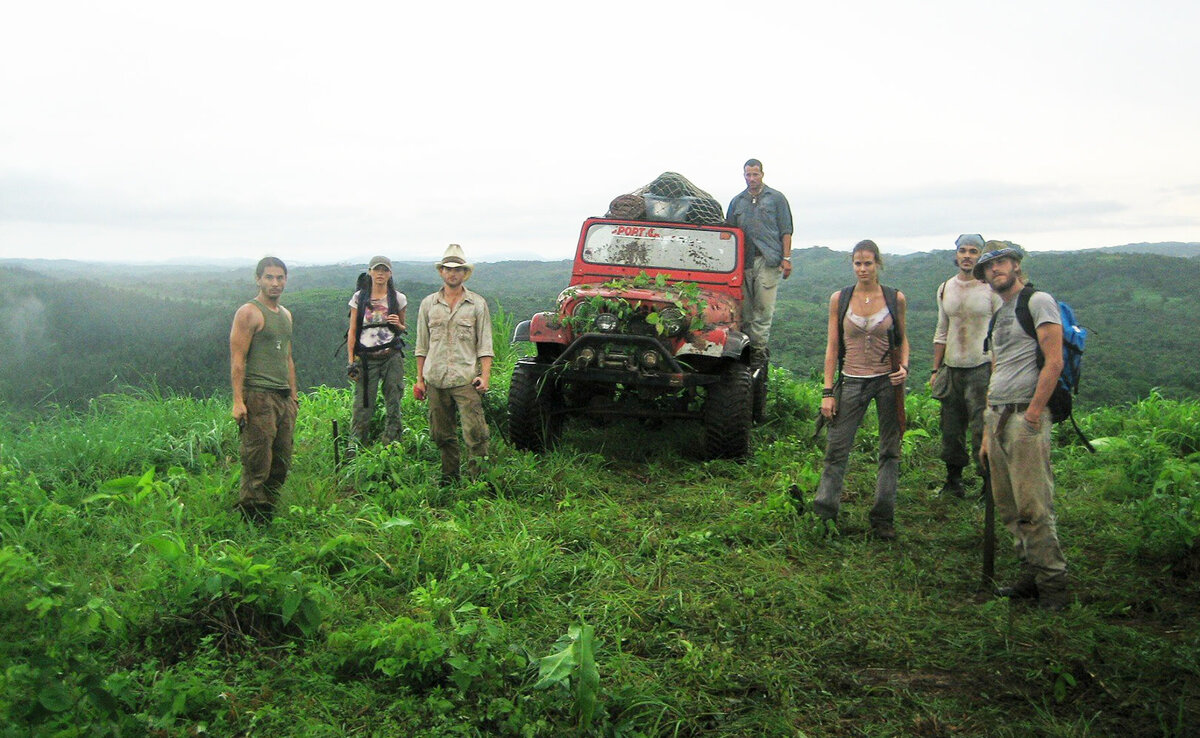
236, 596
404, 649
572, 666
685, 296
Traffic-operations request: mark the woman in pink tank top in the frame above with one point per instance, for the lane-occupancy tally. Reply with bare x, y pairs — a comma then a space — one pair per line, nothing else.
866, 332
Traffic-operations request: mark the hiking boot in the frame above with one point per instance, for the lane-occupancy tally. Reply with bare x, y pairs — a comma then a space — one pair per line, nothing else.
259, 515
1053, 597
1024, 588
953, 486
883, 531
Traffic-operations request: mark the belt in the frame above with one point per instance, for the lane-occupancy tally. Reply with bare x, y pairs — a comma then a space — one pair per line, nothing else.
271, 391
380, 354
1012, 407
1006, 412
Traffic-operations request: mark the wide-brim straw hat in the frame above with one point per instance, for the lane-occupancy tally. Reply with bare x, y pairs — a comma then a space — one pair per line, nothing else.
454, 257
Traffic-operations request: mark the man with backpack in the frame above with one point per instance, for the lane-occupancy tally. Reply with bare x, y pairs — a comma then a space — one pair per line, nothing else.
375, 348
1017, 423
961, 367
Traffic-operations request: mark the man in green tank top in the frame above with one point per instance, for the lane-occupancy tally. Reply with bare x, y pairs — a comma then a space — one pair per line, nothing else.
264, 391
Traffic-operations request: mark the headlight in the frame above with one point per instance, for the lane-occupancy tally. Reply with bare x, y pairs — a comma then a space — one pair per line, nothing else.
583, 310
672, 322
650, 359
606, 322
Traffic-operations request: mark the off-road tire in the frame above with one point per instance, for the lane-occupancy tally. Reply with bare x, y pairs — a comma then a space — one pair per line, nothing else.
727, 414
531, 426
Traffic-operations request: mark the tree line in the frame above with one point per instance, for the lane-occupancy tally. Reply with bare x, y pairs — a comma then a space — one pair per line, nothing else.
70, 334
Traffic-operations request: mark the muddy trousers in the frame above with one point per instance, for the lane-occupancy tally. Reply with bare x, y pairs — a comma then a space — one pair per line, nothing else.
443, 402
266, 446
386, 374
1023, 489
856, 396
962, 413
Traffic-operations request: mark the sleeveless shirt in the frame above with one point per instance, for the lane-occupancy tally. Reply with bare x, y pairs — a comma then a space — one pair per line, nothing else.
267, 360
866, 340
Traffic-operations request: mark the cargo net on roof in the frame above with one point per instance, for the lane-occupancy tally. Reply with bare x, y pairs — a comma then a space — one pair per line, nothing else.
670, 197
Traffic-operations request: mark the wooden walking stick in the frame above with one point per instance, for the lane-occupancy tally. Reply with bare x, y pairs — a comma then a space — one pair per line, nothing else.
901, 417
989, 529
337, 450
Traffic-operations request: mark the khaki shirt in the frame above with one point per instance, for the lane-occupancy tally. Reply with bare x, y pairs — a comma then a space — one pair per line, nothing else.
452, 341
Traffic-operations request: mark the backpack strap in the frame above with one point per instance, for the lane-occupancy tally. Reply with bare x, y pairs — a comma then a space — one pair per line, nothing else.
892, 300
843, 307
1024, 317
1079, 432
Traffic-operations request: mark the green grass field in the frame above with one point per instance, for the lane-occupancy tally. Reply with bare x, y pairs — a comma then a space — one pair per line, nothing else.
617, 586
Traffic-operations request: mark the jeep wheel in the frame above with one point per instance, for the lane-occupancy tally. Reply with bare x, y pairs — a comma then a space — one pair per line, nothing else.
727, 413
531, 426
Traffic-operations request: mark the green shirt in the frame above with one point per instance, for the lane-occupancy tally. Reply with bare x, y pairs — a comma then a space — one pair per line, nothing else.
270, 349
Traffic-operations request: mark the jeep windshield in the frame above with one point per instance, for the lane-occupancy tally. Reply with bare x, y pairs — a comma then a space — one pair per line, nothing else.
654, 246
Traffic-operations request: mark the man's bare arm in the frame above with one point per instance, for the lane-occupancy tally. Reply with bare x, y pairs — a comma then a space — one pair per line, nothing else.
1050, 336
246, 322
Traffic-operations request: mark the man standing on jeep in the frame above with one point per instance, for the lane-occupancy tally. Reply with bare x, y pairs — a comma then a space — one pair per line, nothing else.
766, 218
961, 367
264, 391
454, 364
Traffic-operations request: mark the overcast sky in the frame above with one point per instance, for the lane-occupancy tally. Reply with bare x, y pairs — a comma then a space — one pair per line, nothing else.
327, 132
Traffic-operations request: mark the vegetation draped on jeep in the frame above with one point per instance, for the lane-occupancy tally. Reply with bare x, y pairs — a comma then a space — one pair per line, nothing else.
650, 326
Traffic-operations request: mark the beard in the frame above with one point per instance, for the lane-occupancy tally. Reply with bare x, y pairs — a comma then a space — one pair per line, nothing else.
1002, 282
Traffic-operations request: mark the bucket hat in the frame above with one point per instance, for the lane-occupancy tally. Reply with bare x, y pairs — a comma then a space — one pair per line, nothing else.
998, 250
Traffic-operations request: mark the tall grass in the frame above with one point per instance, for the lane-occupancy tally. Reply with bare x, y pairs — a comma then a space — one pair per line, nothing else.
618, 586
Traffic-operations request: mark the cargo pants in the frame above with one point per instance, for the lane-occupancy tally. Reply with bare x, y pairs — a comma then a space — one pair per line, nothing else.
266, 446
856, 395
962, 413
443, 403
1023, 489
379, 372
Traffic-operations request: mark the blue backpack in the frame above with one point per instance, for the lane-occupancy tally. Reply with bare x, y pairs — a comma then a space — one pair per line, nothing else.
1074, 339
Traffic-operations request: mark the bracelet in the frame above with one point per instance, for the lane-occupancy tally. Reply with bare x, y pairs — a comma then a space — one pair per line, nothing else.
827, 392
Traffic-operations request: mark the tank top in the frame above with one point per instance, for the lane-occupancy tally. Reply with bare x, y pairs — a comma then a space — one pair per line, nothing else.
867, 344
267, 360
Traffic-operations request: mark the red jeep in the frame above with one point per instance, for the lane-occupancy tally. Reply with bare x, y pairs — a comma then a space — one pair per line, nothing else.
649, 327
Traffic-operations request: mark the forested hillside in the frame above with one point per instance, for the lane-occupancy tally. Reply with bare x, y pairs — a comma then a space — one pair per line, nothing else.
72, 331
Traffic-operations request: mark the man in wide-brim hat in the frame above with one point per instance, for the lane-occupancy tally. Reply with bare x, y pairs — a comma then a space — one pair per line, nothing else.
455, 259
454, 363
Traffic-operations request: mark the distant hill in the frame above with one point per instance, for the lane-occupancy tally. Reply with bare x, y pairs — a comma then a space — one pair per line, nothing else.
72, 330
1187, 249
